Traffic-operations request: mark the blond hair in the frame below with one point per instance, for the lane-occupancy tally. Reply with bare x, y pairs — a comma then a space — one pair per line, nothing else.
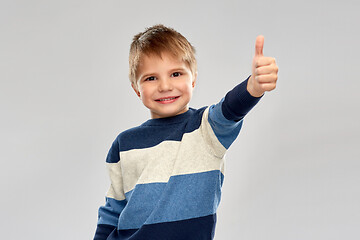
157, 40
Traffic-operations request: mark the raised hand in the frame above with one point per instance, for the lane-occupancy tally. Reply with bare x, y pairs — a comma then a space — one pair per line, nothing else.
264, 71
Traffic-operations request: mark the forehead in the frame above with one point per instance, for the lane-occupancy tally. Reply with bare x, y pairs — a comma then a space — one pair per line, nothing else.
163, 61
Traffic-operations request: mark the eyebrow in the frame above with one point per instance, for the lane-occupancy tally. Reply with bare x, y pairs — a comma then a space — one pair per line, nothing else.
177, 69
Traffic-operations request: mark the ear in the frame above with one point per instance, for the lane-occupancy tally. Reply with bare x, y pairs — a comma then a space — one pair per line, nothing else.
135, 89
194, 79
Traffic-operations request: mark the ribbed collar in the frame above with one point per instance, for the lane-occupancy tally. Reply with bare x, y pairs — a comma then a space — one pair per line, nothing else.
169, 120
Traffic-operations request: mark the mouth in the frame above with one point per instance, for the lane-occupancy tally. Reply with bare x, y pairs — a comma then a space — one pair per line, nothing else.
167, 99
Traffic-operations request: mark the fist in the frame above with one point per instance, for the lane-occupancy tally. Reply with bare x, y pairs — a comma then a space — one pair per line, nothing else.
264, 71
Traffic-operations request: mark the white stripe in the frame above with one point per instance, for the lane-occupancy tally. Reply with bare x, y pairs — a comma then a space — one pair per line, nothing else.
116, 188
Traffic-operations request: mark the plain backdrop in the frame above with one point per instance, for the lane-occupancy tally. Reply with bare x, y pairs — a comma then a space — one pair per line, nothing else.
293, 172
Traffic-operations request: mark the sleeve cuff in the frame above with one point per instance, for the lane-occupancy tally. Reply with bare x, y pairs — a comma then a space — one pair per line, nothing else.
238, 102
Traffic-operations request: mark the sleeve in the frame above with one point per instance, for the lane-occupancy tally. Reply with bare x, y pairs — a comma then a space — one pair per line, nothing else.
226, 117
115, 202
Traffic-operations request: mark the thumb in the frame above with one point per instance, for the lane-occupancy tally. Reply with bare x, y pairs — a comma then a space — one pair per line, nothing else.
259, 45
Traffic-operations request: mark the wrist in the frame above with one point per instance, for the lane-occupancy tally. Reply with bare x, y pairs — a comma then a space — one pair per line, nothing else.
251, 89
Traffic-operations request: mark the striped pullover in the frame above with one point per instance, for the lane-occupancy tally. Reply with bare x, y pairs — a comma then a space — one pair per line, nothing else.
166, 174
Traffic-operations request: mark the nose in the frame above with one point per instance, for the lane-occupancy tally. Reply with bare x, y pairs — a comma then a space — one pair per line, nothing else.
165, 85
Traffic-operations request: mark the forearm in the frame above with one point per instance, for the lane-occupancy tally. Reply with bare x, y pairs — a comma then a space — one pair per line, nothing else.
238, 102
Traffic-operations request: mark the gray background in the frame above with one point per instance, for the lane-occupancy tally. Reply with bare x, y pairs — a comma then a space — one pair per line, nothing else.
293, 173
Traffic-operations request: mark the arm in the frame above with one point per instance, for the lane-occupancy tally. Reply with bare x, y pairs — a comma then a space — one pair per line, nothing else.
226, 117
115, 198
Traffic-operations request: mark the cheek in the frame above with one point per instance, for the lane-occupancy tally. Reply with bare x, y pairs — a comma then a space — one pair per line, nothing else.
188, 89
145, 94
185, 86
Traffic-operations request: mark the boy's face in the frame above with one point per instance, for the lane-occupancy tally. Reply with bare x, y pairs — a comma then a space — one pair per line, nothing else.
164, 85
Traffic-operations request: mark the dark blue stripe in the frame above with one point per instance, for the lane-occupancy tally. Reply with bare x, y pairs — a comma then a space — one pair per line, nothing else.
238, 102
202, 228
154, 131
103, 231
113, 155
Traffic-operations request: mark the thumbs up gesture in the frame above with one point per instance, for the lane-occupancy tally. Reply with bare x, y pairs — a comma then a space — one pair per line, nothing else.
264, 71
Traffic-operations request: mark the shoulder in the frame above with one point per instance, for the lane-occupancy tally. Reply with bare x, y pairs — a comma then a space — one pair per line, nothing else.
131, 134
196, 117
124, 141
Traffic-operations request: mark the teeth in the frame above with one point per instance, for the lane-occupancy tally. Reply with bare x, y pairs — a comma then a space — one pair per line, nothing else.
166, 99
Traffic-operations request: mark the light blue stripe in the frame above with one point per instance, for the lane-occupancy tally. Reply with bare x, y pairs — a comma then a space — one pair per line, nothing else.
109, 214
183, 197
225, 130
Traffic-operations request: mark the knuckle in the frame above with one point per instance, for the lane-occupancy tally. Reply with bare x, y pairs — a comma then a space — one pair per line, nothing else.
270, 87
259, 79
275, 77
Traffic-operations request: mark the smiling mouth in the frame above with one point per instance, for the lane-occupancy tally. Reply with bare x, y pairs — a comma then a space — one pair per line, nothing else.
166, 99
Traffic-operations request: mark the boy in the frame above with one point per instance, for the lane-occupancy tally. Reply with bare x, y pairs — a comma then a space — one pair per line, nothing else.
166, 174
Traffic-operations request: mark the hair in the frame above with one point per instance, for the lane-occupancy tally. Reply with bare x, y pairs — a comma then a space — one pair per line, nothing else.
156, 40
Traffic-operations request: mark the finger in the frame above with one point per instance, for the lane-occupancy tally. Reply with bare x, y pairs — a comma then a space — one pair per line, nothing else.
259, 45
269, 78
268, 69
264, 61
268, 86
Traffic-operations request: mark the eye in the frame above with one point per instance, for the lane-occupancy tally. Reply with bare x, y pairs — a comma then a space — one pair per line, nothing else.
176, 74
152, 78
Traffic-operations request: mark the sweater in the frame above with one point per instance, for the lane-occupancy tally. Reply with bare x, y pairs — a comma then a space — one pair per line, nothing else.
166, 174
